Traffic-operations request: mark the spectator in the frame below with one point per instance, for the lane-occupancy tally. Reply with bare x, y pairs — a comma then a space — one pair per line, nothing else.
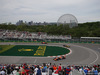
80, 70
86, 71
38, 72
31, 71
59, 70
27, 70
2, 72
17, 73
54, 68
43, 69
64, 71
98, 69
22, 72
59, 67
51, 67
35, 70
8, 70
50, 71
95, 72
90, 72
68, 69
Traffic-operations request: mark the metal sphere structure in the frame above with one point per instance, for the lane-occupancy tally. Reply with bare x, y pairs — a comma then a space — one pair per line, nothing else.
67, 19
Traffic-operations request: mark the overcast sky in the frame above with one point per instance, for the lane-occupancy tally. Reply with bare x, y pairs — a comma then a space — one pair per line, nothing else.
48, 10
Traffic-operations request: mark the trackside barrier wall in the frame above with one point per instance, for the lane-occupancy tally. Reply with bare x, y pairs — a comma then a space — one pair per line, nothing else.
50, 41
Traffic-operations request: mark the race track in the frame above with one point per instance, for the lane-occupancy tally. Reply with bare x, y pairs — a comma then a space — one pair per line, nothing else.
82, 54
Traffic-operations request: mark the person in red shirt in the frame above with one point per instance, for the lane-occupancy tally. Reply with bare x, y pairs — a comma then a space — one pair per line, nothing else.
59, 67
68, 69
56, 72
60, 70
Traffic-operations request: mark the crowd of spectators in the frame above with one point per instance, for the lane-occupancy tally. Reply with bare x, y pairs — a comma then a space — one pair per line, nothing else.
47, 69
25, 34
28, 69
89, 70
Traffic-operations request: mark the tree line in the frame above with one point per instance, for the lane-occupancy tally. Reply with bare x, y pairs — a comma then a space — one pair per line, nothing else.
89, 29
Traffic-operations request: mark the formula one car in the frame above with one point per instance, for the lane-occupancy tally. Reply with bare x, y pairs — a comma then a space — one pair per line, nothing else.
55, 59
66, 46
44, 42
59, 57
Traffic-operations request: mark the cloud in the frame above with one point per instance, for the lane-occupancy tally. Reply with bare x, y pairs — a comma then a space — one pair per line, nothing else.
48, 10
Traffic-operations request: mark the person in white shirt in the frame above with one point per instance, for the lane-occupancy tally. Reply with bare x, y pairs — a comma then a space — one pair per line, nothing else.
35, 70
2, 72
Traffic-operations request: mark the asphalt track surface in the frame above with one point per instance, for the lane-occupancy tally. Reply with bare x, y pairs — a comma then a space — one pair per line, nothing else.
82, 54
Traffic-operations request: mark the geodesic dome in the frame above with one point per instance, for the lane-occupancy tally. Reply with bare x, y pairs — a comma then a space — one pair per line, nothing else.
67, 19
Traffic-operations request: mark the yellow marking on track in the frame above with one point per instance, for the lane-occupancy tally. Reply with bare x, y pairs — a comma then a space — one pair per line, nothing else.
25, 49
40, 50
5, 48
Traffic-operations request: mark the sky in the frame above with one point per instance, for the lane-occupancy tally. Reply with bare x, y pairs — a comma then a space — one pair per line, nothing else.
48, 10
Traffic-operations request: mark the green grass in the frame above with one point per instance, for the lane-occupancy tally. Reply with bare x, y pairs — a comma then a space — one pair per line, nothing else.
11, 50
53, 51
4, 48
14, 51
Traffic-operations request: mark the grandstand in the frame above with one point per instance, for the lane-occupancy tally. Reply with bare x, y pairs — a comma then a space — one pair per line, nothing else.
23, 35
7, 35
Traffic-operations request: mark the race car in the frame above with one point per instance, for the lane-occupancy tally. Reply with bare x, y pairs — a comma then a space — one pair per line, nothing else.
56, 59
66, 46
59, 57
44, 42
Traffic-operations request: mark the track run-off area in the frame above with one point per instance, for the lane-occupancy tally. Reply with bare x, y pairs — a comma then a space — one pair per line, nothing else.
81, 54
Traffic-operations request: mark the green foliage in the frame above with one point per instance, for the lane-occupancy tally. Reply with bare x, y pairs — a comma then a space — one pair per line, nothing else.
89, 29
0, 48
9, 27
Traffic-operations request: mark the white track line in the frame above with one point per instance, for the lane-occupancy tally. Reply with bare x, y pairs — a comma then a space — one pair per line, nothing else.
69, 52
35, 60
90, 50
